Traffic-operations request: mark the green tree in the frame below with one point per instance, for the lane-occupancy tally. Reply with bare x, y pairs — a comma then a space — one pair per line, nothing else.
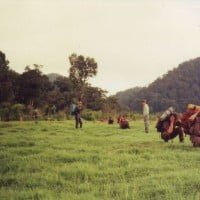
8, 79
33, 86
94, 98
80, 71
62, 94
111, 104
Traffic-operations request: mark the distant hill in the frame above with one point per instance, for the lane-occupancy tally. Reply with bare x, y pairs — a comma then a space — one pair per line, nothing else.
126, 97
53, 76
176, 88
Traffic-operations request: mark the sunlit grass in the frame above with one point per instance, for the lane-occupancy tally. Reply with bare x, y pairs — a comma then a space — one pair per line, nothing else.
52, 160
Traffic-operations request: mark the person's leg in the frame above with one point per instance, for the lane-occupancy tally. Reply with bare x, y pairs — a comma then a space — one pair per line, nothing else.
180, 134
146, 123
80, 122
165, 136
76, 121
121, 125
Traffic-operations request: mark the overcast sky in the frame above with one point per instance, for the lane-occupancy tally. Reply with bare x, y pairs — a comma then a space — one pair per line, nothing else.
133, 41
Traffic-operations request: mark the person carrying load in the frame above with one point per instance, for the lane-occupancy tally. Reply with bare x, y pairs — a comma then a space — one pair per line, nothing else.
190, 121
169, 125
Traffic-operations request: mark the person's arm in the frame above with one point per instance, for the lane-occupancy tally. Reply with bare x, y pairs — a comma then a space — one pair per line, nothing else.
171, 126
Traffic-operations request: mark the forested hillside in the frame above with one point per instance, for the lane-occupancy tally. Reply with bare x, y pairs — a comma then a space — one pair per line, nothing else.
176, 88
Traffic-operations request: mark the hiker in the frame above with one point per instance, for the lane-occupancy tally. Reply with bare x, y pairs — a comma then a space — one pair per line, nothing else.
123, 122
145, 111
169, 125
110, 120
118, 118
190, 121
77, 114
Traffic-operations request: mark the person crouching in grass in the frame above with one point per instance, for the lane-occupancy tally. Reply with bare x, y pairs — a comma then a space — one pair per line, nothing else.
123, 122
110, 120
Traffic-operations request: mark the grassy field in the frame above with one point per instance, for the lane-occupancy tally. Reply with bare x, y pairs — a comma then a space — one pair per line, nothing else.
52, 160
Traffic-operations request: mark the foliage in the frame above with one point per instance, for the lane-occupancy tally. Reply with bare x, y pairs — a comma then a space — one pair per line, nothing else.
5, 111
81, 70
17, 111
60, 116
53, 160
33, 87
88, 115
8, 79
35, 90
94, 98
111, 105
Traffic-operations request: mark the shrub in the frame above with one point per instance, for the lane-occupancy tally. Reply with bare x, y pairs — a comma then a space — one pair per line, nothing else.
97, 115
61, 115
17, 111
5, 112
88, 115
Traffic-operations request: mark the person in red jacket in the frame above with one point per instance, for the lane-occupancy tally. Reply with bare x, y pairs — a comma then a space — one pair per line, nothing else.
123, 122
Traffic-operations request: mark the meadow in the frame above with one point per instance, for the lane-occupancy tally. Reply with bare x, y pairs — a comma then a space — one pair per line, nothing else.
53, 160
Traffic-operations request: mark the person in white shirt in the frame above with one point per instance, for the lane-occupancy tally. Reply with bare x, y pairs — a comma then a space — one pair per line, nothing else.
145, 110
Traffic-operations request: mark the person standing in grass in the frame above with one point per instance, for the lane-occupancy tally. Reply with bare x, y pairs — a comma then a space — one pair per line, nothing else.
145, 111
77, 114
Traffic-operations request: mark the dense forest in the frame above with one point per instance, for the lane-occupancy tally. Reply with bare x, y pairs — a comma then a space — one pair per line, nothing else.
176, 88
21, 94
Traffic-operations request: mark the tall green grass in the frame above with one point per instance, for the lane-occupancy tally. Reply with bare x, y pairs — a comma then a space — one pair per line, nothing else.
53, 160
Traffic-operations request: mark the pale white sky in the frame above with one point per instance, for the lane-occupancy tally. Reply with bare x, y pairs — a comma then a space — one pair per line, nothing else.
133, 41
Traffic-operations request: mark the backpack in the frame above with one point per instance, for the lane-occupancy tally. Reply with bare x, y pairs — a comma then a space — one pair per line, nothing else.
72, 109
159, 126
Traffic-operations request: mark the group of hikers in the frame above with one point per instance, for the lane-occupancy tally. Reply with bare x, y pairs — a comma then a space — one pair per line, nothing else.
122, 120
76, 108
124, 123
170, 124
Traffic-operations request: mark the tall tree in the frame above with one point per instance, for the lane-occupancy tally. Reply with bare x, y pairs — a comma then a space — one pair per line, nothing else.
8, 80
81, 70
33, 86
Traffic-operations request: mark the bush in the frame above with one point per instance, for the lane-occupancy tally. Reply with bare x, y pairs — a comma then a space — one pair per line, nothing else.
88, 115
97, 115
60, 116
91, 115
17, 111
5, 112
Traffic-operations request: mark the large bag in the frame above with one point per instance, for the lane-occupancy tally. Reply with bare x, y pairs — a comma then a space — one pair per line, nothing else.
72, 109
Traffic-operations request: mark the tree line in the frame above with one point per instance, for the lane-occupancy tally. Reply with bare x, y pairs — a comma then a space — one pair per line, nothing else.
22, 93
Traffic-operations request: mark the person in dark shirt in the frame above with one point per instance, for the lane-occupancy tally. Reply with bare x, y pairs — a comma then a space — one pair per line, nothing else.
77, 115
110, 120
